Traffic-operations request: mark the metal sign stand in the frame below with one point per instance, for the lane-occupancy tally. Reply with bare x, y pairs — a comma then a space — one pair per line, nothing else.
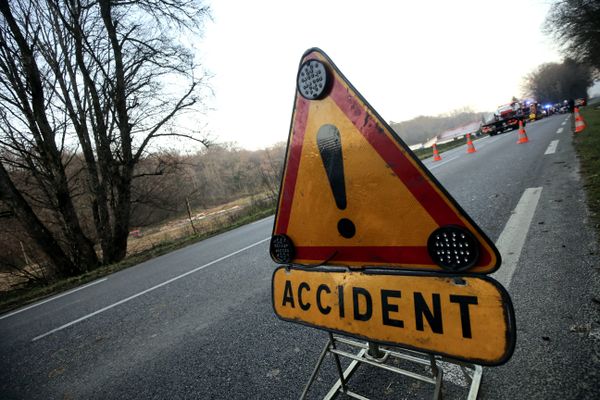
372, 354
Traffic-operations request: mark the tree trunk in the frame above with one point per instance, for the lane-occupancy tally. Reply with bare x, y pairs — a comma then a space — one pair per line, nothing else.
82, 249
34, 227
122, 211
118, 249
97, 172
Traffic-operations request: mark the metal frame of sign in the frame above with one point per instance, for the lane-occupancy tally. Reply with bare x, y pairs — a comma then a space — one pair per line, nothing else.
433, 375
416, 253
508, 310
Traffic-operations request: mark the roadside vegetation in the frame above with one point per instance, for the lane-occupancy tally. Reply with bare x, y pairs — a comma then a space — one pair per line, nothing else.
22, 286
575, 26
197, 195
552, 83
587, 145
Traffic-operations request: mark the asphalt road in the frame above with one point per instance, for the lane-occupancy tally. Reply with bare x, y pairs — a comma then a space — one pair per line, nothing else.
198, 323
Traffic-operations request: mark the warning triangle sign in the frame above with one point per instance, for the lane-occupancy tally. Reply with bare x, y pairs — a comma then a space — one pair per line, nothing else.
354, 194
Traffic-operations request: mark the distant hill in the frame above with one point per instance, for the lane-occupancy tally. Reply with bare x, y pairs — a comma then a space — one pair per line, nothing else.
422, 128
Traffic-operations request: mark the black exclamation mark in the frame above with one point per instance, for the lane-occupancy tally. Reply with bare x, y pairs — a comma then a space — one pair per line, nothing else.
330, 147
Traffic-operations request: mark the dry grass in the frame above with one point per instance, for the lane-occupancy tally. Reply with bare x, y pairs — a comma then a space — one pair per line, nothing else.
10, 280
587, 144
206, 221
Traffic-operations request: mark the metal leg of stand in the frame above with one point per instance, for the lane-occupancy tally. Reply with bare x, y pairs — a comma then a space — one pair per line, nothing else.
338, 364
347, 374
473, 373
434, 368
475, 382
316, 370
438, 374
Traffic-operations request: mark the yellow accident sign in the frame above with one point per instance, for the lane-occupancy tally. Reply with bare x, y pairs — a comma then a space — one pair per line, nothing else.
467, 318
354, 194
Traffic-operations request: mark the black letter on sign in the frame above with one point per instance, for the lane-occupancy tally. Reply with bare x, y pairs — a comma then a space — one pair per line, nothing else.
465, 318
288, 297
386, 307
434, 320
304, 306
323, 288
341, 301
369, 311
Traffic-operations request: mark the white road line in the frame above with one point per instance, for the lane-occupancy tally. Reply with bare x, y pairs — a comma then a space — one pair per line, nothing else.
511, 240
551, 147
52, 298
560, 130
125, 300
442, 163
564, 122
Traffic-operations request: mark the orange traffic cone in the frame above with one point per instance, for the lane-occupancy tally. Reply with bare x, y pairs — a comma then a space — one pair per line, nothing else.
522, 134
579, 122
470, 147
436, 154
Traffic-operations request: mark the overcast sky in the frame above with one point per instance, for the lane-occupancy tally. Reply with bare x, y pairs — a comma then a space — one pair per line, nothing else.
406, 58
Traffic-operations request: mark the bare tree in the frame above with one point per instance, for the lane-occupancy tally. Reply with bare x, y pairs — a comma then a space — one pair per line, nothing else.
555, 82
100, 78
575, 24
36, 229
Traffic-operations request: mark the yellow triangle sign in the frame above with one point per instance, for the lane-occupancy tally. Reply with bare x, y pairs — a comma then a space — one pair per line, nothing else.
354, 194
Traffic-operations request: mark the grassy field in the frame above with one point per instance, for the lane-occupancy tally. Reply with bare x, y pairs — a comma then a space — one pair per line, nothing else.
587, 144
